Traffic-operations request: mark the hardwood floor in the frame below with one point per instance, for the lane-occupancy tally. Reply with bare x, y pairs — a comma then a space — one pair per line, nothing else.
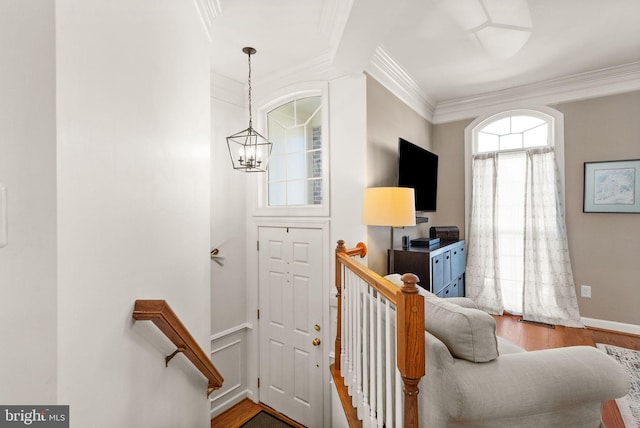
534, 337
526, 335
242, 412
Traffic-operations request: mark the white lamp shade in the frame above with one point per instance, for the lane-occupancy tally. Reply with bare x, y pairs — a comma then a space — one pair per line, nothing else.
389, 206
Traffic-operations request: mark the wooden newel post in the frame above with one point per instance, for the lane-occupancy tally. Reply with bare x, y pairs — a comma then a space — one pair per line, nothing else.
338, 345
411, 355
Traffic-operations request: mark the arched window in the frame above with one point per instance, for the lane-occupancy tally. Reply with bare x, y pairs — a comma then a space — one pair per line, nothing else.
513, 130
295, 166
518, 252
297, 182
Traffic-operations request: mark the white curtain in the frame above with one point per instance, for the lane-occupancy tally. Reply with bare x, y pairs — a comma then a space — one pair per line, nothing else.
548, 292
482, 275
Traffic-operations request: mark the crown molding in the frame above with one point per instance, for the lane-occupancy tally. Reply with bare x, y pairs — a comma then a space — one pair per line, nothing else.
319, 68
333, 19
234, 92
593, 84
391, 75
208, 11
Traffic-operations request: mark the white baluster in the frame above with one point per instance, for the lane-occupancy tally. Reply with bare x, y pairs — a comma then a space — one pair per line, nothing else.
365, 353
346, 337
388, 367
358, 353
379, 336
372, 358
399, 395
343, 324
353, 352
350, 335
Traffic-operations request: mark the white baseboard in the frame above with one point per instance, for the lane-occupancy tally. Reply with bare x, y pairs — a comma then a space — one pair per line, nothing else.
611, 325
232, 401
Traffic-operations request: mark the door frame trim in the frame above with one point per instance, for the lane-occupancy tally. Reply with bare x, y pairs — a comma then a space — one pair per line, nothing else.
252, 290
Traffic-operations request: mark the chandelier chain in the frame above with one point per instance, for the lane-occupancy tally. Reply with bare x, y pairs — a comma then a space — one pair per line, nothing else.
249, 79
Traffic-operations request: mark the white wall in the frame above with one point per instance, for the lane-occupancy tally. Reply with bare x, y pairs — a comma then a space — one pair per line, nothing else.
27, 168
228, 208
348, 127
133, 207
388, 118
229, 321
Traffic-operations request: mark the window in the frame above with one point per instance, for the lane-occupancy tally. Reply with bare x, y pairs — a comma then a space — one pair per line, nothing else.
518, 258
296, 165
514, 132
508, 136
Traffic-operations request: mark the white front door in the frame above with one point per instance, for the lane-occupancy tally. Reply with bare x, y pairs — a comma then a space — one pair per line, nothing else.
290, 295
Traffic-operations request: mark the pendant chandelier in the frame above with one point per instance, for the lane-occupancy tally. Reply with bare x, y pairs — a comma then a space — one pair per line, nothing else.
248, 149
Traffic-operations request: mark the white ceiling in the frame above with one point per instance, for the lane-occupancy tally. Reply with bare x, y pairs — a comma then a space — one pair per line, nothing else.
447, 49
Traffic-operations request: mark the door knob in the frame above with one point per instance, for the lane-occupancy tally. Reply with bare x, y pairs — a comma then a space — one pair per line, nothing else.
316, 341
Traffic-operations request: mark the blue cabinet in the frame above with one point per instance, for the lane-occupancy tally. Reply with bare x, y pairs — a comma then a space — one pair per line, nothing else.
439, 268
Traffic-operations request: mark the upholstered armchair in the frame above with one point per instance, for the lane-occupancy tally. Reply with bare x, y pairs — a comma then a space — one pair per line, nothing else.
474, 379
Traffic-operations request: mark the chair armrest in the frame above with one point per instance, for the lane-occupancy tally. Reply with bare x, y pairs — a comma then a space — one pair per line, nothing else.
465, 302
534, 382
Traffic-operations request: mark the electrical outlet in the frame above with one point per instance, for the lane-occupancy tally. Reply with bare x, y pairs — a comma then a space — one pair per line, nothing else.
585, 291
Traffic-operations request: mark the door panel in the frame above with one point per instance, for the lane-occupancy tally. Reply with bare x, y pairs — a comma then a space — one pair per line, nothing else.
275, 358
301, 305
301, 381
276, 291
290, 272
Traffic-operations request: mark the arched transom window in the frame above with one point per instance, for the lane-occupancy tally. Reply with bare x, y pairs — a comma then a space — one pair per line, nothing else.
516, 131
296, 163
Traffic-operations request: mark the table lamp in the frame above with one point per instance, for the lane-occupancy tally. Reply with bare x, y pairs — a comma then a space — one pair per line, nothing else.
389, 206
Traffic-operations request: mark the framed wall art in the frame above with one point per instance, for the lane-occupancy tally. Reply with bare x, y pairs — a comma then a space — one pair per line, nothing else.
612, 186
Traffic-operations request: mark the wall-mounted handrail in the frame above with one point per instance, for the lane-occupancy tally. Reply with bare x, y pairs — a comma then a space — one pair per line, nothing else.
161, 314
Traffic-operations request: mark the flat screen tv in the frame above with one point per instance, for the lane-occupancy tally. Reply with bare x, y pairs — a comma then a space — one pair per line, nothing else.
418, 168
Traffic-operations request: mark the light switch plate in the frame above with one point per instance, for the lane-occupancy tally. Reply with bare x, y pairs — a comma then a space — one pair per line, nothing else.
4, 228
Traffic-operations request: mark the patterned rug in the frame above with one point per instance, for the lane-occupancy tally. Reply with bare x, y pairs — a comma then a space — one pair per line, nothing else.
629, 405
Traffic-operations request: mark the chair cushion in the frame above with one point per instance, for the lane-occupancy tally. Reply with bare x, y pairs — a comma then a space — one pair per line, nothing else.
468, 333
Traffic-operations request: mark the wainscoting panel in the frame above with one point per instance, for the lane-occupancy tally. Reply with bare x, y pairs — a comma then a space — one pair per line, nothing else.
229, 355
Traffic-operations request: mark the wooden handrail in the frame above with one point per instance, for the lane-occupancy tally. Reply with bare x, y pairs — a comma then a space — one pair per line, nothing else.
382, 285
409, 305
161, 314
